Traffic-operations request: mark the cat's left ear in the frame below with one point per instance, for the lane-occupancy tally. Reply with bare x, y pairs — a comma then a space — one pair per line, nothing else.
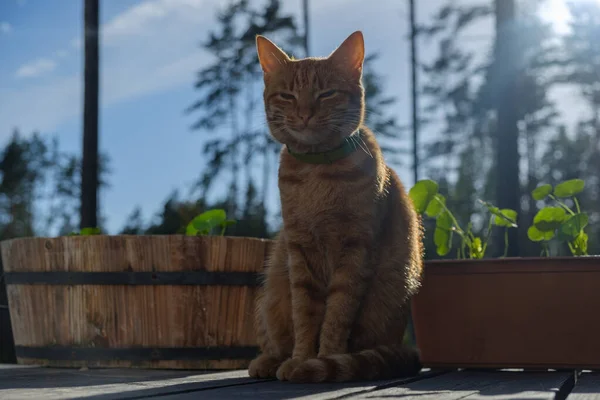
349, 56
270, 56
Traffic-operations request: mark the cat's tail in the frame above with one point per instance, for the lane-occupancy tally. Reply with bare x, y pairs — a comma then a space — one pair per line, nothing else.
383, 362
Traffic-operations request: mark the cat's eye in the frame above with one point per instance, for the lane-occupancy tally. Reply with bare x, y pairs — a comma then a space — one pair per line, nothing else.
287, 96
326, 94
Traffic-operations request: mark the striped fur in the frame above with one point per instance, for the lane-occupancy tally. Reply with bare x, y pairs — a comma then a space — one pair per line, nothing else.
337, 285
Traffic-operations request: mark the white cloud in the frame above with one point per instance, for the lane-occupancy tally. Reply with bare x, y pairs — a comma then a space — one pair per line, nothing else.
144, 19
5, 27
153, 46
150, 47
128, 83
39, 107
36, 68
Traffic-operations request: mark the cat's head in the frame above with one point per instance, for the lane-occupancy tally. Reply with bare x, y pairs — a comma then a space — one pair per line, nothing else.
313, 103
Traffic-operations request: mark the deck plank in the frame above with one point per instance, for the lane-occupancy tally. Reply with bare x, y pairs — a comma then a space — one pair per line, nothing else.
587, 387
478, 385
55, 383
285, 390
132, 384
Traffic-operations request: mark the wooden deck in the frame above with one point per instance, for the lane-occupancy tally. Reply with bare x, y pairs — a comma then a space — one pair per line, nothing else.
21, 382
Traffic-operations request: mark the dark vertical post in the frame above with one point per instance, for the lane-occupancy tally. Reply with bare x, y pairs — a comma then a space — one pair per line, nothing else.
507, 152
306, 27
89, 168
415, 105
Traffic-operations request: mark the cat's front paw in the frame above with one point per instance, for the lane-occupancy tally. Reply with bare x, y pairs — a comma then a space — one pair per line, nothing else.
284, 372
264, 367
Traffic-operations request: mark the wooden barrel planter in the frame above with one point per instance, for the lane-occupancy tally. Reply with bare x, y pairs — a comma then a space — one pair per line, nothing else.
173, 301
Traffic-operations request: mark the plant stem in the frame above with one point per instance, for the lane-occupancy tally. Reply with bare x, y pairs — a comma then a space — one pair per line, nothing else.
571, 248
489, 233
505, 242
545, 250
563, 205
454, 221
577, 205
457, 229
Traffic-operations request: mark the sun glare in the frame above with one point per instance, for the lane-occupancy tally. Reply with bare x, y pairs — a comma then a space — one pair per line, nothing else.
556, 12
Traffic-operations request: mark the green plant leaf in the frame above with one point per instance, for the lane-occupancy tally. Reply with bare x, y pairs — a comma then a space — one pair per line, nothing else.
569, 188
536, 235
90, 231
572, 226
540, 192
444, 220
225, 224
506, 217
436, 206
476, 248
442, 236
549, 218
190, 230
422, 193
580, 244
205, 222
442, 239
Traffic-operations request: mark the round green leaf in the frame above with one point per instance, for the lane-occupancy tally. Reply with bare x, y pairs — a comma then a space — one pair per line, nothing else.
442, 236
190, 230
91, 231
549, 218
540, 192
569, 188
205, 222
443, 240
506, 217
536, 235
202, 227
444, 221
436, 206
572, 226
422, 193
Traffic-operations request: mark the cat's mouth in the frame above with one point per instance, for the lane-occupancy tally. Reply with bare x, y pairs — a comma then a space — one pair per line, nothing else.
305, 135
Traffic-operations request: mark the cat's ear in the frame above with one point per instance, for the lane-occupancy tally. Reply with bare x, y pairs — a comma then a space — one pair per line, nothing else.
349, 56
270, 56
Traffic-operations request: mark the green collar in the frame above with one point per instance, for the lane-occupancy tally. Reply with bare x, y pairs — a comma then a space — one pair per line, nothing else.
328, 157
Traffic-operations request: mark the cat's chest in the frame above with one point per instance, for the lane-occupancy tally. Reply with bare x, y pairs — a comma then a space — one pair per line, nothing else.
314, 206
307, 194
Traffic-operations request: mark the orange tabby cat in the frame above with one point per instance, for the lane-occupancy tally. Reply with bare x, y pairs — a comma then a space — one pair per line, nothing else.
334, 303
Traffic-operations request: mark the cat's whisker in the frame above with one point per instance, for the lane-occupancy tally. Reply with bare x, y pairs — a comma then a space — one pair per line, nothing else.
364, 148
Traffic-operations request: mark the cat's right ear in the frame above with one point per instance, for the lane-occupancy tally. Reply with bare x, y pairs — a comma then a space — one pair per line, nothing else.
270, 56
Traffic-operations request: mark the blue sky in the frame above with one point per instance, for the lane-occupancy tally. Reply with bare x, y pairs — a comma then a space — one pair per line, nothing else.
149, 56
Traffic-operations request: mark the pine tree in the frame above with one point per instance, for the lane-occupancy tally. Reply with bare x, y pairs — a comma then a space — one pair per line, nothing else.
461, 96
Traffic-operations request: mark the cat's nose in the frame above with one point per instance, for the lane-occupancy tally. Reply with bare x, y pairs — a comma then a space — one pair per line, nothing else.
305, 116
